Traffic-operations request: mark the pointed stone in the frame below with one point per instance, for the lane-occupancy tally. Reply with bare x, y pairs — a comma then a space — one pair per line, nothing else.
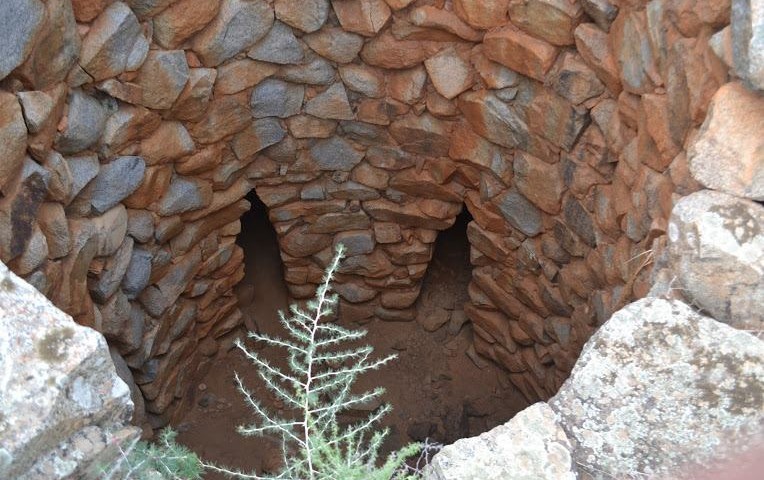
109, 42
335, 44
276, 98
278, 46
181, 20
162, 78
85, 122
331, 104
305, 15
450, 72
238, 25
13, 137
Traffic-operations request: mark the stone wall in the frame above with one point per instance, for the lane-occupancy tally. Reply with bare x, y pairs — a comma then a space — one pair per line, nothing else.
131, 132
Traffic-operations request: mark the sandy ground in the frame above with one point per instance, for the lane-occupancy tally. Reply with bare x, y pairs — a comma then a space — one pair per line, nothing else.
436, 389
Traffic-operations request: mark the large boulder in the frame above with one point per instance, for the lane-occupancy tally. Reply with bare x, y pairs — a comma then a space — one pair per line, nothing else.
729, 152
660, 388
531, 446
58, 390
716, 250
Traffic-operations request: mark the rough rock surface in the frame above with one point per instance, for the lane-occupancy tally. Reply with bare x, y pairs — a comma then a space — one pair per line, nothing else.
658, 389
530, 446
729, 152
56, 380
716, 251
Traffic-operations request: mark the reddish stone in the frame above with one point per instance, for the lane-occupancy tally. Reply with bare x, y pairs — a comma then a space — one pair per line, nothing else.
424, 134
407, 86
593, 45
306, 126
450, 72
432, 17
193, 100
495, 76
155, 180
182, 19
388, 52
366, 17
633, 53
519, 51
13, 137
238, 75
538, 181
483, 14
551, 20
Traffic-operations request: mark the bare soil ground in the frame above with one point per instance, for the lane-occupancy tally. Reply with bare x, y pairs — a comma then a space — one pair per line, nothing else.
436, 389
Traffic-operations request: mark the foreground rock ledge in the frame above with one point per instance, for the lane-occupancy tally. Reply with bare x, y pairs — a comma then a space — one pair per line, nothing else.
659, 391
61, 402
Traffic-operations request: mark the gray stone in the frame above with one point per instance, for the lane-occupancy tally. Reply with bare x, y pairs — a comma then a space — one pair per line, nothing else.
315, 72
579, 221
494, 119
116, 322
20, 21
115, 181
520, 212
747, 23
331, 103
34, 255
110, 42
162, 78
278, 46
83, 170
86, 119
531, 446
110, 277
356, 242
123, 371
276, 98
716, 251
138, 273
148, 8
13, 138
728, 154
20, 205
658, 389
37, 107
603, 12
365, 80
57, 48
184, 194
140, 225
57, 378
335, 153
335, 44
237, 27
306, 15
159, 297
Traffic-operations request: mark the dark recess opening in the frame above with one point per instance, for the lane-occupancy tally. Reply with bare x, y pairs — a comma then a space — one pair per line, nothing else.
262, 292
438, 388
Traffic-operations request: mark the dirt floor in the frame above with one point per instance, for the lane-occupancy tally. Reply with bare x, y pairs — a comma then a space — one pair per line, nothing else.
438, 388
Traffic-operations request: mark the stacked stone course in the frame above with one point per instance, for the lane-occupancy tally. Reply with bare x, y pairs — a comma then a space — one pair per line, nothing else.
131, 131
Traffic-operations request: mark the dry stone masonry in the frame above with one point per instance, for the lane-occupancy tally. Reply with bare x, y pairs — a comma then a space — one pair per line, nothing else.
131, 131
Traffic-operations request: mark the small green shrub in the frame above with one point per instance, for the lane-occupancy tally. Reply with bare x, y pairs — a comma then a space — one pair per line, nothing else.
162, 460
317, 388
